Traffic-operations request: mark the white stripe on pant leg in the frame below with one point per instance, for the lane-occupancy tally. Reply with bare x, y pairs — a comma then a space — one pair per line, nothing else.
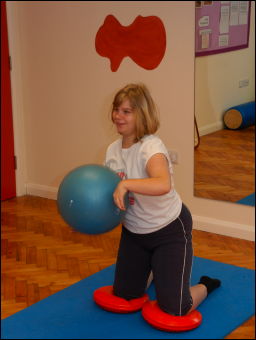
185, 254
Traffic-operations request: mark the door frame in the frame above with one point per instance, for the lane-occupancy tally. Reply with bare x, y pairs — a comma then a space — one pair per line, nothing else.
14, 39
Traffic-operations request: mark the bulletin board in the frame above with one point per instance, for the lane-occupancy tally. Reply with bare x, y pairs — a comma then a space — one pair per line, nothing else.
221, 26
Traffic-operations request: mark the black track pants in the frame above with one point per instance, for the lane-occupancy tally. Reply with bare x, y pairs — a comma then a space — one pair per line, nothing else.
168, 253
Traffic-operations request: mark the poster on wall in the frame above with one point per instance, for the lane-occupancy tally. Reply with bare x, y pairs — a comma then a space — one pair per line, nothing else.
221, 26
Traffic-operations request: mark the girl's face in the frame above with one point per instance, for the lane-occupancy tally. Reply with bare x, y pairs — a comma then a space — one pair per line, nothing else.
124, 118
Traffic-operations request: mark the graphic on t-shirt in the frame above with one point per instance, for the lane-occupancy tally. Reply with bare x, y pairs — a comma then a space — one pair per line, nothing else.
131, 198
122, 174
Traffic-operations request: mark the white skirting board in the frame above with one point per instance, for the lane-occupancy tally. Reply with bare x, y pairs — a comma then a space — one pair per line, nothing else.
226, 228
203, 223
41, 191
210, 128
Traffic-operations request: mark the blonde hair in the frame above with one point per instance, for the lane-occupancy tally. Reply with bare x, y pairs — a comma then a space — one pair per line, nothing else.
147, 121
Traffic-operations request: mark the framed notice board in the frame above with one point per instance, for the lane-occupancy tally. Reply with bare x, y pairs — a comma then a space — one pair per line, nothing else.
221, 26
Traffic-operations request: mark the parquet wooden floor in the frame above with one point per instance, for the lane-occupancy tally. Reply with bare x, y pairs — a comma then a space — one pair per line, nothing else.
41, 255
224, 165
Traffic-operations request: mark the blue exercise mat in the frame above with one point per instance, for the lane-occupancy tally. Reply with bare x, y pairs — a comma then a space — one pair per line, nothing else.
248, 200
72, 313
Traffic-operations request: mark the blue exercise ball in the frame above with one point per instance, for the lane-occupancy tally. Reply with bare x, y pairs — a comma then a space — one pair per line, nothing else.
85, 199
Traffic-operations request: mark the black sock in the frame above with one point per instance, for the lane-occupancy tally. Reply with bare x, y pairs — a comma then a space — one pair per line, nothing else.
210, 283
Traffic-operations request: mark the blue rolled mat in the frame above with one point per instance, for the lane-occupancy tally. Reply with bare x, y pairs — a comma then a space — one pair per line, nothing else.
240, 116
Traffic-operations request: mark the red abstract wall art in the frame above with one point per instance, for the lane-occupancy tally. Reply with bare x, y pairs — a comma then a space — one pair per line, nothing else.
144, 41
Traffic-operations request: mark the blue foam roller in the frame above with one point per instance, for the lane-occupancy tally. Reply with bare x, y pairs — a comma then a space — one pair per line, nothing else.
240, 116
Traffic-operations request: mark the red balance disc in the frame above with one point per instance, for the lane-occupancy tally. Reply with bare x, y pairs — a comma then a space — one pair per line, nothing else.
166, 322
105, 298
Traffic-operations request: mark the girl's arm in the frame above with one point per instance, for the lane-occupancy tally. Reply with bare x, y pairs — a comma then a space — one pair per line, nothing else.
158, 183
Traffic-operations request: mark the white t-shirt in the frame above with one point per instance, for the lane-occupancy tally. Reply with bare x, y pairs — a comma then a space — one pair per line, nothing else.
145, 213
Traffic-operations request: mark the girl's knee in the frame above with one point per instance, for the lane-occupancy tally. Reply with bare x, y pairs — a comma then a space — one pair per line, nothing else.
175, 307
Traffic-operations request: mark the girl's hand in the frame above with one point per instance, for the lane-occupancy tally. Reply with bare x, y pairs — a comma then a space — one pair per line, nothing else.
119, 194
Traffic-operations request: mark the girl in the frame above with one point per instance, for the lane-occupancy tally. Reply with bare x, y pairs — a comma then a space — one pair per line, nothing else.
157, 229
